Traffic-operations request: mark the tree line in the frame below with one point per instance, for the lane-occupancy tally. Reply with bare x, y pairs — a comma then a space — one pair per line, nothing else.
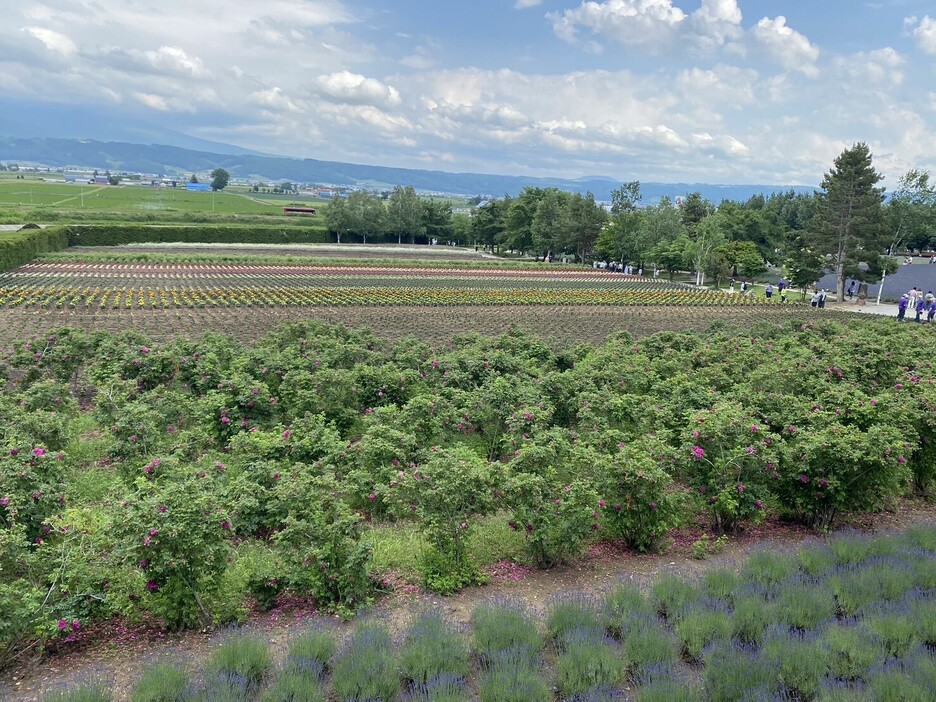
848, 227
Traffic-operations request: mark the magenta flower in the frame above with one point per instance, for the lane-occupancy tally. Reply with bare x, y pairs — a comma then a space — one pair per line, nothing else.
225, 420
226, 525
161, 509
617, 507
695, 435
143, 564
749, 450
901, 459
14, 452
740, 487
791, 428
153, 532
754, 428
152, 585
653, 505
62, 625
75, 625
758, 504
601, 503
698, 452
4, 501
372, 497
804, 478
39, 451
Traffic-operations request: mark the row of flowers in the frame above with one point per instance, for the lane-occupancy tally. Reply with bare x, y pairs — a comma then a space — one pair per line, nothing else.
173, 297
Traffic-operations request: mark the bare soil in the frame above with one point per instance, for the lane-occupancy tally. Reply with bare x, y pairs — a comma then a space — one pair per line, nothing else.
118, 651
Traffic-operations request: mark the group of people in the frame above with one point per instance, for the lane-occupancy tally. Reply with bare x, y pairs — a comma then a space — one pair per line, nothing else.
782, 289
915, 300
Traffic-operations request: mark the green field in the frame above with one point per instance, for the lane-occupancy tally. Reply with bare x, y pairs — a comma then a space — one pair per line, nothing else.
17, 195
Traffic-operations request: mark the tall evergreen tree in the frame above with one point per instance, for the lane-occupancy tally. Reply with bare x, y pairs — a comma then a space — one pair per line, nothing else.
848, 227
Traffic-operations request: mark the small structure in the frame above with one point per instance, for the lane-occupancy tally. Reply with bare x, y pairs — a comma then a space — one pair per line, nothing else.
309, 211
198, 187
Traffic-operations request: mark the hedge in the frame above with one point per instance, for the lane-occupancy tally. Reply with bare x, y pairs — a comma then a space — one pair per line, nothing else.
119, 234
17, 248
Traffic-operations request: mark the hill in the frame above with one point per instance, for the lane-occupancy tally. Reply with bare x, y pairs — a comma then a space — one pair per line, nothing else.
162, 159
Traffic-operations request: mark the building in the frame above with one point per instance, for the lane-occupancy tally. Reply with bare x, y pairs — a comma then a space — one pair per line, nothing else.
198, 187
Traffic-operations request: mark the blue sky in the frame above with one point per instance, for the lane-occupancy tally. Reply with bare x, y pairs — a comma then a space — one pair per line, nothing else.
719, 91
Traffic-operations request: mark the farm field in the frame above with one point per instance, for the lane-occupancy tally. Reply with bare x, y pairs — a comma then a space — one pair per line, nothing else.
115, 199
247, 296
847, 618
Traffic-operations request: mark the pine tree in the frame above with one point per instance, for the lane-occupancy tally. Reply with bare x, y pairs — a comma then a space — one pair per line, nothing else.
848, 227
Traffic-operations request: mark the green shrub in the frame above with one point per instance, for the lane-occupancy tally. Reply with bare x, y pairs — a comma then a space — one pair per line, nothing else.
242, 659
163, 682
431, 648
672, 595
80, 692
751, 616
623, 605
311, 649
801, 662
507, 683
646, 646
365, 668
587, 662
17, 248
897, 633
852, 650
699, 627
667, 691
733, 675
569, 612
765, 568
719, 584
804, 606
291, 686
503, 625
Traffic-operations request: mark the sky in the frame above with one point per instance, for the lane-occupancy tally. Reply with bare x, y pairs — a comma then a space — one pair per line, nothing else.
706, 91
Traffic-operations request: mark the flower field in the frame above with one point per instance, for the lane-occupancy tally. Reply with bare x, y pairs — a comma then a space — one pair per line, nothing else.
168, 286
853, 619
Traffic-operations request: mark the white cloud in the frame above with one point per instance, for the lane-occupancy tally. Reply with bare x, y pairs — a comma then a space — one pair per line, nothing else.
881, 68
924, 31
353, 88
524, 4
788, 47
53, 41
154, 102
417, 61
651, 25
643, 23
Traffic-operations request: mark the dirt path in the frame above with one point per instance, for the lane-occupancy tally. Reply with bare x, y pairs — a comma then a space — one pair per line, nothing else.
118, 652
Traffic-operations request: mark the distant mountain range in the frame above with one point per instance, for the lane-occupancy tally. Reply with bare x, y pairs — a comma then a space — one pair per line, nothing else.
240, 163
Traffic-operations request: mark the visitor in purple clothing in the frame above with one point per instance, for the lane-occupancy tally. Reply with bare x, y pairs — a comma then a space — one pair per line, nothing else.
931, 312
920, 306
902, 307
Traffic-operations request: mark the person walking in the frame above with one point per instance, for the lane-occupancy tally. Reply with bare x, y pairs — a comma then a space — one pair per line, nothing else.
823, 295
931, 312
920, 306
851, 289
902, 307
768, 291
814, 301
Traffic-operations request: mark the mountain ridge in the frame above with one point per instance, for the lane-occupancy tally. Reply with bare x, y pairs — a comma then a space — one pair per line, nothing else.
169, 160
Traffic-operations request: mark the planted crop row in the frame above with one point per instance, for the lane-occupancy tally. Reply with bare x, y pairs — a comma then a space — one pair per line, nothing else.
782, 627
163, 297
